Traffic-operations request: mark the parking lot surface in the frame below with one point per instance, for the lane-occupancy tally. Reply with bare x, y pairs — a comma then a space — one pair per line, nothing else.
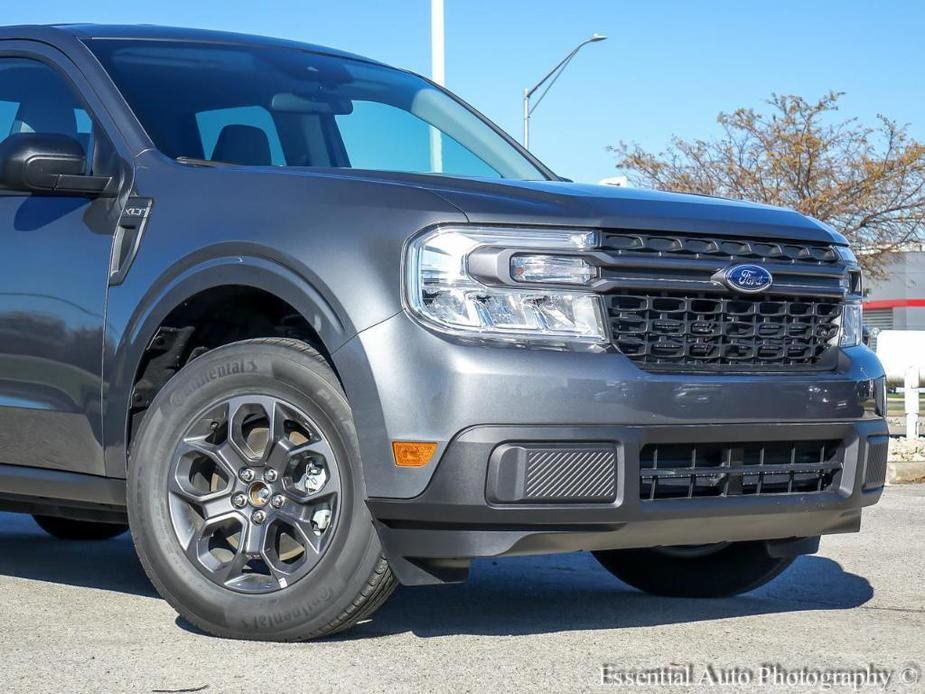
82, 617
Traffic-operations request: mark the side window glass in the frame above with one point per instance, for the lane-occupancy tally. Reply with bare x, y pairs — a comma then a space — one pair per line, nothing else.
243, 135
34, 98
8, 110
84, 129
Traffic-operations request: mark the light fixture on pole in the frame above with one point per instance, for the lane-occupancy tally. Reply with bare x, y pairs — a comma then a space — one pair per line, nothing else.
552, 75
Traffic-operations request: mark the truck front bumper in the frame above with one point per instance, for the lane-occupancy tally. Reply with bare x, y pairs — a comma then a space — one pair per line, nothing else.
475, 499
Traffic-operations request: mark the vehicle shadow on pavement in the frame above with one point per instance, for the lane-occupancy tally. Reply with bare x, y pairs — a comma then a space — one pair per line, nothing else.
516, 596
26, 551
572, 592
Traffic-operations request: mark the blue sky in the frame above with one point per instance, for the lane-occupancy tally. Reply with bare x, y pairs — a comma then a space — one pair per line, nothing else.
667, 68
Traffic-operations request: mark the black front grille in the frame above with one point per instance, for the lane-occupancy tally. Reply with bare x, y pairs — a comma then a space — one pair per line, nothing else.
690, 471
669, 309
709, 331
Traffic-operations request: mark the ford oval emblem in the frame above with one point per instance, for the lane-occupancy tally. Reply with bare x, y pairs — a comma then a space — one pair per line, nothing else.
748, 279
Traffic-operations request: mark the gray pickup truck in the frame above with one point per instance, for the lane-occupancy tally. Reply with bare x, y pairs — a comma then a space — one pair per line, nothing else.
311, 326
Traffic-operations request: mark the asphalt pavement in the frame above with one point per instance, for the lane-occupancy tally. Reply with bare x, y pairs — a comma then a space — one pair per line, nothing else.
82, 617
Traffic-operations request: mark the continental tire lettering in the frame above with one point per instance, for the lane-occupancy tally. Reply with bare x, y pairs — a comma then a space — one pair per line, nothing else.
231, 368
305, 611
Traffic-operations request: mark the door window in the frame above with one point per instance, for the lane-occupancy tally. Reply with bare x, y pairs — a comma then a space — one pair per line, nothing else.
34, 98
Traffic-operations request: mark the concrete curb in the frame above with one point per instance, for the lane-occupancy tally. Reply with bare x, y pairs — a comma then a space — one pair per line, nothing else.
905, 472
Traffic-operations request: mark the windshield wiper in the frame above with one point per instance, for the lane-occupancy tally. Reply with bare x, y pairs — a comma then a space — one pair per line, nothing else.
192, 161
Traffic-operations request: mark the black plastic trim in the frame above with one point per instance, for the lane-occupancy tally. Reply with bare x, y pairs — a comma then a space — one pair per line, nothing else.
60, 488
453, 520
129, 232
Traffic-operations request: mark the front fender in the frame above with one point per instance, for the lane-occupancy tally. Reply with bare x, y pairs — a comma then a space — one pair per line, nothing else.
124, 353
329, 245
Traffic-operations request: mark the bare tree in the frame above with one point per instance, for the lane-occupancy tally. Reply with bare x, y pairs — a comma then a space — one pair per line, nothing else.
867, 182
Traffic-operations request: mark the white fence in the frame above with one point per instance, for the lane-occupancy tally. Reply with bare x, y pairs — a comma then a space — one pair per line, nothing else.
902, 353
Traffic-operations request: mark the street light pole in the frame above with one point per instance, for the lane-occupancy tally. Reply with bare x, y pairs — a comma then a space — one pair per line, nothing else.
526, 118
438, 74
553, 74
437, 43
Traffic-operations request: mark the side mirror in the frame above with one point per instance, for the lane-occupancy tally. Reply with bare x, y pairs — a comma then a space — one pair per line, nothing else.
49, 164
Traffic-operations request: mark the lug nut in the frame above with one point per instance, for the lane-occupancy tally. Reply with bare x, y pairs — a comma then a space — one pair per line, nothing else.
258, 517
277, 501
246, 474
239, 500
270, 475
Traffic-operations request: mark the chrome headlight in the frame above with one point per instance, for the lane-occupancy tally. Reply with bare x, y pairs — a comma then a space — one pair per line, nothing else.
846, 254
515, 285
851, 324
851, 321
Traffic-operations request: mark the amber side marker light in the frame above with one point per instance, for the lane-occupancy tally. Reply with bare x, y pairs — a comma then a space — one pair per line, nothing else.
413, 453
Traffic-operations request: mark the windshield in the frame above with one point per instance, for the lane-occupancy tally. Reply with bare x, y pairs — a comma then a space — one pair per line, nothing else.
279, 106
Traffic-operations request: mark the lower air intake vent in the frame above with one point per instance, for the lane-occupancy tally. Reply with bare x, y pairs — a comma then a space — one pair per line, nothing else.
561, 473
877, 454
688, 471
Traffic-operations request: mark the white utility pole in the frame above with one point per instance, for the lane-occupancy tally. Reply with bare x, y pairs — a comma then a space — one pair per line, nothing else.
911, 401
438, 75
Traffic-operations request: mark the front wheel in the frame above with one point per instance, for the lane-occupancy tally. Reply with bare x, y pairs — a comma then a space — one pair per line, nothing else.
705, 571
246, 497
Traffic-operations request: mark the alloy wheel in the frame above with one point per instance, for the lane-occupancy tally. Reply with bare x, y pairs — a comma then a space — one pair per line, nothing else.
253, 493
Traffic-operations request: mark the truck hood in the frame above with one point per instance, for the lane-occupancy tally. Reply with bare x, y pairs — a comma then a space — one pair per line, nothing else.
486, 201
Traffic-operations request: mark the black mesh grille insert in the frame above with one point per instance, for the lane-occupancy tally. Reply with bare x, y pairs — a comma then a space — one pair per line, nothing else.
689, 471
714, 331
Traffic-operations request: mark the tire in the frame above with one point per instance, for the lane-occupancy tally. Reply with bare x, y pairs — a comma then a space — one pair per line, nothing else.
708, 572
65, 529
343, 580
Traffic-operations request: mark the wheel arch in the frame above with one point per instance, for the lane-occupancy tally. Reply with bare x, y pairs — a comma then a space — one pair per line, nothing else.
124, 360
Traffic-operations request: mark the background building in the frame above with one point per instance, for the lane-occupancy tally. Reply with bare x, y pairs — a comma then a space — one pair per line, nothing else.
897, 301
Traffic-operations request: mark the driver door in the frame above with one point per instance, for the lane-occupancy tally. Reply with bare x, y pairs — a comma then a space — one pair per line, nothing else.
53, 281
